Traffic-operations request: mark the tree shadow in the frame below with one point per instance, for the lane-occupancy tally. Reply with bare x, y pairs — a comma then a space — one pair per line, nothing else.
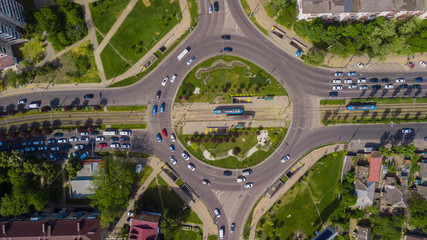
396, 112
385, 91
324, 215
103, 102
75, 102
54, 102
57, 123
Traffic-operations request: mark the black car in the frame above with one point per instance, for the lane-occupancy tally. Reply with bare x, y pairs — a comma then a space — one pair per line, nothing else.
376, 87
216, 6
114, 139
95, 133
416, 86
228, 49
226, 37
88, 96
58, 135
159, 93
125, 139
227, 173
403, 86
52, 140
68, 146
333, 94
385, 80
373, 80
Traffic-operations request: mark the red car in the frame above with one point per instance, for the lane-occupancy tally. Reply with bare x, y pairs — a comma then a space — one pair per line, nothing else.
102, 145
164, 132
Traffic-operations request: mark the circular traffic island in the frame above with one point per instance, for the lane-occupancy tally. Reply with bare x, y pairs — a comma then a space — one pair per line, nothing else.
230, 113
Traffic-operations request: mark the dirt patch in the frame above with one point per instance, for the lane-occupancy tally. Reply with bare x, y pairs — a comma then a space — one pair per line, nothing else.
220, 64
147, 3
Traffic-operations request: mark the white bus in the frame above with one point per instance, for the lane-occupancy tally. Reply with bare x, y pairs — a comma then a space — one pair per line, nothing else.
109, 132
181, 55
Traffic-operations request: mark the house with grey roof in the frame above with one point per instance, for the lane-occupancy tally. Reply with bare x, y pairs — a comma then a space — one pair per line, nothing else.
340, 10
365, 190
363, 233
423, 173
395, 196
80, 185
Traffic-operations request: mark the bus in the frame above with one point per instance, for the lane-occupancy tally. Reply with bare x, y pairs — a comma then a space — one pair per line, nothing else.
228, 111
181, 55
109, 132
361, 107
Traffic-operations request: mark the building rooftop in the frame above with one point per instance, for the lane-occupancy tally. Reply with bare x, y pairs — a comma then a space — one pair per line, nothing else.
80, 185
363, 233
356, 6
395, 196
374, 167
327, 234
143, 230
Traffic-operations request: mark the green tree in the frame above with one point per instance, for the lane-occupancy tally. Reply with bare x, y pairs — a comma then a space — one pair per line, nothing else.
418, 209
14, 79
168, 223
48, 20
112, 185
386, 227
314, 57
73, 166
194, 145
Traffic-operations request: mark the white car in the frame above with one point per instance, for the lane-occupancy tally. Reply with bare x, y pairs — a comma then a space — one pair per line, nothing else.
422, 63
400, 80
241, 179
185, 156
79, 146
190, 60
285, 158
337, 87
389, 86
62, 140
165, 80
56, 148
249, 185
406, 130
126, 145
363, 87
125, 133
191, 167
217, 213
348, 80
173, 78
100, 138
84, 139
115, 145
131, 214
360, 65
173, 160
73, 139
339, 74
173, 137
210, 8
352, 86
22, 101
336, 81
86, 133
361, 80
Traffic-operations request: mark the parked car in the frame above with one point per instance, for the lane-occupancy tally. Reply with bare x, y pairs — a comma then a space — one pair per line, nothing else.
418, 79
73, 139
232, 227
249, 185
52, 140
216, 6
389, 86
159, 93
100, 138
55, 148
285, 158
351, 74
164, 132
228, 49
22, 101
172, 148
363, 87
126, 145
339, 74
241, 179
115, 145
173, 78
373, 80
172, 159
114, 139
84, 139
228, 173
333, 94
210, 9
422, 63
125, 139
94, 133
376, 87
352, 86
52, 157
42, 148
336, 81
191, 167
159, 137
125, 132
67, 147
416, 86
162, 107
337, 87
173, 137
165, 80
360, 65
62, 140
400, 80
102, 145
154, 109
57, 135
406, 130
217, 213
85, 133
185, 156
361, 80
79, 146
403, 86
385, 80
348, 80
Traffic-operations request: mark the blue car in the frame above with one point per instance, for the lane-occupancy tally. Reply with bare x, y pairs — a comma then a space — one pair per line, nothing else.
351, 74
155, 110
416, 86
159, 137
418, 79
162, 107
172, 148
52, 157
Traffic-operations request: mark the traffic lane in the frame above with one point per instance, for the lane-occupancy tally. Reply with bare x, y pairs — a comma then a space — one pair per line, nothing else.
370, 93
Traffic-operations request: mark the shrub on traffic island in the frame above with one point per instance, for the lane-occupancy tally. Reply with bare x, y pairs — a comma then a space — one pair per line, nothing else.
11, 112
68, 108
13, 135
96, 107
81, 129
233, 140
206, 139
46, 109
23, 110
47, 131
214, 140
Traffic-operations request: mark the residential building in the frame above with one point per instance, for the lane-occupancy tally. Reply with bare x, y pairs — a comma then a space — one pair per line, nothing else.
341, 10
374, 166
395, 195
363, 233
145, 226
67, 229
423, 172
80, 185
365, 190
414, 237
327, 234
422, 190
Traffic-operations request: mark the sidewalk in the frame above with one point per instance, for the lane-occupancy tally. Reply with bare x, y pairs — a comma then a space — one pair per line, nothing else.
308, 161
198, 207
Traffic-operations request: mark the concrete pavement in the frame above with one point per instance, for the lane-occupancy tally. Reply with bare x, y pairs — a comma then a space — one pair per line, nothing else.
308, 161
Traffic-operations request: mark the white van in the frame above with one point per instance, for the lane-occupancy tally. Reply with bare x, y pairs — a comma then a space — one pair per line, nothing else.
125, 132
241, 179
33, 106
246, 172
221, 232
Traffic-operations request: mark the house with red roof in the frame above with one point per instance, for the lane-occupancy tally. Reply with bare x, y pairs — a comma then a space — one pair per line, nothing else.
145, 226
375, 166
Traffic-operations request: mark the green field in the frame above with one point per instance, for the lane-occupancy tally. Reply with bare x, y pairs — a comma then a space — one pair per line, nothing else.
141, 30
113, 64
244, 139
105, 13
187, 235
212, 237
220, 81
298, 210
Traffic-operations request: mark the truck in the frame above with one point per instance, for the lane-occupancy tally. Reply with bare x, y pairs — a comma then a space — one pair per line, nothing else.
183, 53
110, 132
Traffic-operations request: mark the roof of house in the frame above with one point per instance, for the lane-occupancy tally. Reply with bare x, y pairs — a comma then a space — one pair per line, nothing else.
423, 172
422, 190
363, 233
414, 237
355, 6
365, 197
396, 196
80, 185
362, 173
374, 168
143, 230
87, 229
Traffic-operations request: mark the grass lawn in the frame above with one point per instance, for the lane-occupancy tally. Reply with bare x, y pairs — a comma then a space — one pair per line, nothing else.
323, 181
135, 37
105, 13
245, 139
146, 172
212, 237
69, 72
99, 37
194, 12
243, 79
150, 199
187, 235
113, 64
193, 218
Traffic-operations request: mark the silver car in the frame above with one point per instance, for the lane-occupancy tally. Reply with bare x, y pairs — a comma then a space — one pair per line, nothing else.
190, 60
165, 80
191, 167
249, 185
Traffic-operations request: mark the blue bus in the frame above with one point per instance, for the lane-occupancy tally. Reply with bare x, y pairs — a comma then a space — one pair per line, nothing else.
228, 111
361, 107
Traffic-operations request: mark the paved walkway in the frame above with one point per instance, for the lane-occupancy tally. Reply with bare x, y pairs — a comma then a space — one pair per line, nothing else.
198, 207
308, 161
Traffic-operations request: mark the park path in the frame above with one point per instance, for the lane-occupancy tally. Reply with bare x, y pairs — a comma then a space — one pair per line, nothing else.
308, 161
209, 227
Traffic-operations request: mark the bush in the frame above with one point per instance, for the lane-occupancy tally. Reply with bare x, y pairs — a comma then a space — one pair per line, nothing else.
192, 139
3, 137
24, 134
242, 85
68, 108
180, 97
220, 140
91, 129
36, 133
314, 57
198, 140
96, 107
214, 140
258, 133
187, 97
23, 110
256, 89
78, 108
226, 139
47, 131
13, 135
46, 109
11, 112
228, 85
225, 90
239, 90
273, 137
81, 129
247, 89
236, 151
206, 139
233, 140
246, 132
194, 145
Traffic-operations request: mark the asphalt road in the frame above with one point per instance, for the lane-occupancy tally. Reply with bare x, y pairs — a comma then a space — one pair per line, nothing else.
305, 85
